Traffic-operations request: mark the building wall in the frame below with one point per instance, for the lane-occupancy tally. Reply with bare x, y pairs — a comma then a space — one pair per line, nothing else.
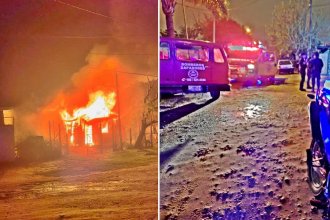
326, 61
7, 152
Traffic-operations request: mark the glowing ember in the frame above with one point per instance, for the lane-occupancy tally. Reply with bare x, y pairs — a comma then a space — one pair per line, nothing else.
100, 106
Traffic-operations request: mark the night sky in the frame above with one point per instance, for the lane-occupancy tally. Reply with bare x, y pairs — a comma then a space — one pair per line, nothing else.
35, 56
253, 13
44, 42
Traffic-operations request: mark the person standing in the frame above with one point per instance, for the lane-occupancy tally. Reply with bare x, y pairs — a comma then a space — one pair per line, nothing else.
316, 67
302, 70
309, 73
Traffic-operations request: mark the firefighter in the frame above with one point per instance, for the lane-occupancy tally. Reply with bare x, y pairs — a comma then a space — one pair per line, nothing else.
309, 73
302, 70
316, 67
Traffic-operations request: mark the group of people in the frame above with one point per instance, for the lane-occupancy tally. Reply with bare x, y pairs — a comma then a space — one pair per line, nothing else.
311, 66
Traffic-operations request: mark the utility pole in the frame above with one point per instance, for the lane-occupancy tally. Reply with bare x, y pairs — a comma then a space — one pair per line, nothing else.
213, 29
119, 121
310, 27
185, 19
50, 132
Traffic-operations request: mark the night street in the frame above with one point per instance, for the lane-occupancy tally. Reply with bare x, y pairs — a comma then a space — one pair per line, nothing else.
100, 186
240, 157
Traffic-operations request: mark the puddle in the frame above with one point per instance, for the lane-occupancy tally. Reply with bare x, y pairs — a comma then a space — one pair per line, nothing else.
253, 111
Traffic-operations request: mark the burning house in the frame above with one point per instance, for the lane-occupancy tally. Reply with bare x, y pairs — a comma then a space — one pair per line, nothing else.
93, 125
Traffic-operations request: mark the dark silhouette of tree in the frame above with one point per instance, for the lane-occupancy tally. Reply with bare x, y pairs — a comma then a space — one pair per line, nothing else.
150, 114
289, 30
168, 7
219, 8
227, 31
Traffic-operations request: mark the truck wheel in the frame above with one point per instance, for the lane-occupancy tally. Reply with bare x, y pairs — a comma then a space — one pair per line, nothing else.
215, 94
317, 173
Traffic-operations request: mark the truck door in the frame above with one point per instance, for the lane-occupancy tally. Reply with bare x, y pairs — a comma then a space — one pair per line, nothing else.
219, 67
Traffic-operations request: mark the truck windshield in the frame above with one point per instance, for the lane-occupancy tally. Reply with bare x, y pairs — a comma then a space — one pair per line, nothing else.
191, 53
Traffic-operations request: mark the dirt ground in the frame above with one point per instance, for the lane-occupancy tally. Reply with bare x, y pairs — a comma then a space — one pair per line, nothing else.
240, 157
117, 185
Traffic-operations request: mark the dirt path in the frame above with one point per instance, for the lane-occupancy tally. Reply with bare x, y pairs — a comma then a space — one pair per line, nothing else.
116, 186
241, 157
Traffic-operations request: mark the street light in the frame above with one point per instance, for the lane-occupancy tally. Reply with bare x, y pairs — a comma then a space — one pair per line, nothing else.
248, 30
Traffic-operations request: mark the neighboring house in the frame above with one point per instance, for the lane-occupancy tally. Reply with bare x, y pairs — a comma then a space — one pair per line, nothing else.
7, 140
325, 56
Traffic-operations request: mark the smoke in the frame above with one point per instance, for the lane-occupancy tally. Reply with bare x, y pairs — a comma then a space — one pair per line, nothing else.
46, 75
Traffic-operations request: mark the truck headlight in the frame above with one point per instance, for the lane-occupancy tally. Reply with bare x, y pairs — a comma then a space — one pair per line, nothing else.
250, 66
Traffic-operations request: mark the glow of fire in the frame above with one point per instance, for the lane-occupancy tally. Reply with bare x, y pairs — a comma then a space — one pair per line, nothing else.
100, 105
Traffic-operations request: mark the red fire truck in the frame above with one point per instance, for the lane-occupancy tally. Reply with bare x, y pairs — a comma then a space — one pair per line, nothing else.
250, 63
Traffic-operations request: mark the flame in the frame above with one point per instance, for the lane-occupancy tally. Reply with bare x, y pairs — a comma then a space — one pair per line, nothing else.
100, 105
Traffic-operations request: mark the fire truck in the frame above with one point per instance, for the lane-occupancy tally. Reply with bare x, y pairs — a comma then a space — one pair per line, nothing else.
249, 63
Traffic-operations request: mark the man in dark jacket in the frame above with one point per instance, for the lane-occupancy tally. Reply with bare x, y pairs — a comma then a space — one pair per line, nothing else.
309, 73
316, 68
302, 70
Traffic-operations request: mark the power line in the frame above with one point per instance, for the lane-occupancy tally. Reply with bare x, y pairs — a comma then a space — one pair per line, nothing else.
83, 9
91, 12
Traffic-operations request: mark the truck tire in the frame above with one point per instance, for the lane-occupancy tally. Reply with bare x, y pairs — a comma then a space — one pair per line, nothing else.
215, 94
316, 164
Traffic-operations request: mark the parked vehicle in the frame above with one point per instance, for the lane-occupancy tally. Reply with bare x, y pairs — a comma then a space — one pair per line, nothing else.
318, 155
248, 63
285, 66
191, 66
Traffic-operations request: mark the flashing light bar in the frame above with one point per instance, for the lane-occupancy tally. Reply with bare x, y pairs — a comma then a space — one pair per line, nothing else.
251, 48
240, 59
243, 48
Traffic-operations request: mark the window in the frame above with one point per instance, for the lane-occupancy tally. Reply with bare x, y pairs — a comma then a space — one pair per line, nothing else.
164, 51
285, 62
218, 58
192, 53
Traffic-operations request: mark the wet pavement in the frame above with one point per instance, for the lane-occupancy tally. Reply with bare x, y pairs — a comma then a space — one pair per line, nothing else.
239, 157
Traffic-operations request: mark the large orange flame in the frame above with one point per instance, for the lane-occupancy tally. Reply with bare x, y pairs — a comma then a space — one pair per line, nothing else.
100, 105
